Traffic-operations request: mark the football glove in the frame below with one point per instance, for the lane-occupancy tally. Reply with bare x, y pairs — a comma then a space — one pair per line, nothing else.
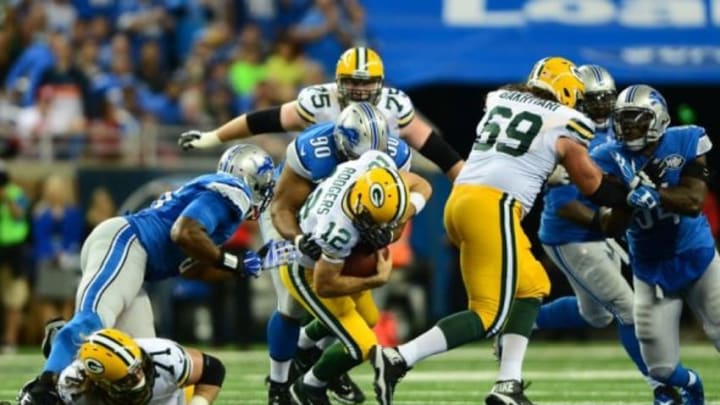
372, 235
243, 262
307, 246
643, 197
195, 139
277, 253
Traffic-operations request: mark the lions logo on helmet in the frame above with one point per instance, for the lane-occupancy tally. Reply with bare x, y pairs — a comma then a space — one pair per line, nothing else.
360, 127
560, 77
640, 117
359, 75
382, 193
117, 366
255, 168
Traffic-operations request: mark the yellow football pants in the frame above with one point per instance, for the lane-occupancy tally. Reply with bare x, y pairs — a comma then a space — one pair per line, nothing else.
350, 318
495, 258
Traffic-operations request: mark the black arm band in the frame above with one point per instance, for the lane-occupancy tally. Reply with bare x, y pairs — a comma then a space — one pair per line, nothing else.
213, 372
440, 152
265, 121
610, 194
696, 170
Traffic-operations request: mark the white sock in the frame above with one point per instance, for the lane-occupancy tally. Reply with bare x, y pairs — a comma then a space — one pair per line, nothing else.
652, 383
513, 354
325, 342
279, 370
313, 381
693, 378
304, 341
431, 342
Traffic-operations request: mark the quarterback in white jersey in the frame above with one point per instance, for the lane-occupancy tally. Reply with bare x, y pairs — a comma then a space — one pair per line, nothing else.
358, 77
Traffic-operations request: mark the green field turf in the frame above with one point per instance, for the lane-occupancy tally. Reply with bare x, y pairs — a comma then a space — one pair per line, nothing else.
560, 374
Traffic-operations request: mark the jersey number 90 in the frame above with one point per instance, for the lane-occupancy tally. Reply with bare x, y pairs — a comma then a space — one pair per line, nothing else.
519, 131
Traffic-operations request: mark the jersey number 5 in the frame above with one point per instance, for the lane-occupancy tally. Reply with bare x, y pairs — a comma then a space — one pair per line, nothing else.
520, 131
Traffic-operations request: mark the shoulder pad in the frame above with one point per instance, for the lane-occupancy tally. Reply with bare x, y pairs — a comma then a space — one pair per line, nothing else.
400, 152
312, 99
396, 103
579, 126
232, 189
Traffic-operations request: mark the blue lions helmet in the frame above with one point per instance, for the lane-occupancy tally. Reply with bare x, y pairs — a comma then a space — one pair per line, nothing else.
253, 166
360, 127
640, 117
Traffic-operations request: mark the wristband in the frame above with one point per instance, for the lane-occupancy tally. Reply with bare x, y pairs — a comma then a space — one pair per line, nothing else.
418, 201
209, 140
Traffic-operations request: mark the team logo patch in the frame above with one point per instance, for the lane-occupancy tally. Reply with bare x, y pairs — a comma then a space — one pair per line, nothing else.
674, 161
377, 195
94, 366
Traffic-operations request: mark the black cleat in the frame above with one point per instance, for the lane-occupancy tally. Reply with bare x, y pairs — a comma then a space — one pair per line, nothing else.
666, 395
40, 391
389, 367
345, 391
52, 327
304, 394
279, 393
509, 392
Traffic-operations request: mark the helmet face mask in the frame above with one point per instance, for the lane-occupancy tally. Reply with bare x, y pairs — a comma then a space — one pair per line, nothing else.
359, 76
598, 105
255, 167
640, 117
360, 127
632, 126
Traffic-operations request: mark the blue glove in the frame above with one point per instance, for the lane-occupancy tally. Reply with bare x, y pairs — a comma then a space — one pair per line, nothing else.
244, 262
635, 178
643, 197
277, 253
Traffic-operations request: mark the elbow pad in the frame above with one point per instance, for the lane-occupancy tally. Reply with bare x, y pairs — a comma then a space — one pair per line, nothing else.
610, 193
265, 121
440, 152
213, 372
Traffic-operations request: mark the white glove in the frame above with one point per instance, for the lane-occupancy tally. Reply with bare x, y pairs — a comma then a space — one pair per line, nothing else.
198, 140
559, 177
277, 253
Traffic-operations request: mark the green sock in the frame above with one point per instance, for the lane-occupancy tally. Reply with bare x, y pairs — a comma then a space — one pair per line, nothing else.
461, 327
522, 316
315, 330
334, 362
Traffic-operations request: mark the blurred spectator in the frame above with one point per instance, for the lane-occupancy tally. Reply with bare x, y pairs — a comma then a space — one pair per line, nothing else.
14, 230
326, 31
101, 207
119, 44
248, 68
60, 16
144, 19
57, 236
25, 73
9, 42
89, 9
151, 68
286, 68
87, 59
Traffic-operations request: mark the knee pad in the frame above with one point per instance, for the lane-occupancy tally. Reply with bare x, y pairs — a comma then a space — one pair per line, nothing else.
660, 373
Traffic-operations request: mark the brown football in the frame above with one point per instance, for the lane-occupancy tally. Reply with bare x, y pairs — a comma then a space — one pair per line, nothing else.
362, 263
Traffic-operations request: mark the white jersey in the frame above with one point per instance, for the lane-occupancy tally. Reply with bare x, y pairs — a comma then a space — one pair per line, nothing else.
326, 213
321, 103
514, 150
172, 369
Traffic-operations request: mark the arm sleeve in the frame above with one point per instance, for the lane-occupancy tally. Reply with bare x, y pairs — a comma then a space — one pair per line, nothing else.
210, 209
294, 160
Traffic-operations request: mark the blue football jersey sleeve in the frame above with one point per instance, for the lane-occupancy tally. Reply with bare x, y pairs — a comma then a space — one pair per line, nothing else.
400, 151
210, 210
313, 154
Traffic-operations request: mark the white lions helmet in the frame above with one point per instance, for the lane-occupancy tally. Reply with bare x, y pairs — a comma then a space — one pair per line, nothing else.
360, 127
253, 166
640, 116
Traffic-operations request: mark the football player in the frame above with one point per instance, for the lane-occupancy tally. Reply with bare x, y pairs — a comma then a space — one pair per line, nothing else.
182, 229
310, 158
527, 130
359, 76
673, 254
572, 237
112, 368
355, 208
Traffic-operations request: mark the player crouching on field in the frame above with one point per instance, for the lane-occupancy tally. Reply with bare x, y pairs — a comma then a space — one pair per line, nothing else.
363, 204
112, 368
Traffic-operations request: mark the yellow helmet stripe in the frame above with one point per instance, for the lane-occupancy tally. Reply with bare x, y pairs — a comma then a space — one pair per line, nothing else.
115, 347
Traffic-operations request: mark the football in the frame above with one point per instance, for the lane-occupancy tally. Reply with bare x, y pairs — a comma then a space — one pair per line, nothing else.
362, 263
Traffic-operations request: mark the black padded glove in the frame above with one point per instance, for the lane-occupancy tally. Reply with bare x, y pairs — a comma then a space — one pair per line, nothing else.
307, 246
372, 235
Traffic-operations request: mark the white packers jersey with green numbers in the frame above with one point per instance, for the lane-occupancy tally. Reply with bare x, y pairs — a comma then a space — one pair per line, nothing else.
172, 369
514, 150
325, 213
321, 103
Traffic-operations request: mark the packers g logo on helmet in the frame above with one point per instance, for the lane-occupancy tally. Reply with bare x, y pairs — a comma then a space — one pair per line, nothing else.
560, 77
110, 356
382, 193
359, 75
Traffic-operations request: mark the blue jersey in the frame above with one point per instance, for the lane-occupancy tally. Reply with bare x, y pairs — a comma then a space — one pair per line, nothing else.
314, 155
555, 230
217, 201
666, 249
